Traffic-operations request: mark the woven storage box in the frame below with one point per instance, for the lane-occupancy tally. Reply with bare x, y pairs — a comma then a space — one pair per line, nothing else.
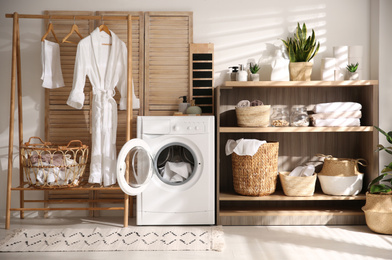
253, 116
256, 175
341, 166
51, 166
297, 186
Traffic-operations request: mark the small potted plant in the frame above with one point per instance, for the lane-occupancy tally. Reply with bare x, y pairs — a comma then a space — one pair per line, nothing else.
378, 208
301, 50
352, 73
254, 69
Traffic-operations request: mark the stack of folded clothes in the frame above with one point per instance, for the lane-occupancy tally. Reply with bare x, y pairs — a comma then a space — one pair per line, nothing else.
336, 114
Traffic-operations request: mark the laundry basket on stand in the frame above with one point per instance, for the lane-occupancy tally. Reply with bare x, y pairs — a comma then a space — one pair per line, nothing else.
256, 175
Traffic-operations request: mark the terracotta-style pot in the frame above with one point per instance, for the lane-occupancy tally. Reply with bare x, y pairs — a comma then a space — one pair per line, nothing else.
300, 71
378, 212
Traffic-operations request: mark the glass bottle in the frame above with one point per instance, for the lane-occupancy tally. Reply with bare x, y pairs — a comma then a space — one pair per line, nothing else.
299, 116
279, 116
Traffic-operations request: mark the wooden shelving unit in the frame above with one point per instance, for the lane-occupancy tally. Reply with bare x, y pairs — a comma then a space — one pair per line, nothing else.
297, 145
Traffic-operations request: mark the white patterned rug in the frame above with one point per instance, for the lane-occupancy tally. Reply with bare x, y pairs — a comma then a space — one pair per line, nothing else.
164, 238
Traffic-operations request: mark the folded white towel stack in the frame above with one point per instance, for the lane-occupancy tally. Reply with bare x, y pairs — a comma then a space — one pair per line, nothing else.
337, 114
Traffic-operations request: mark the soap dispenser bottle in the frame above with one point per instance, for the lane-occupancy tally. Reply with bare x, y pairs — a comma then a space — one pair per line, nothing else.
193, 109
233, 75
183, 105
242, 75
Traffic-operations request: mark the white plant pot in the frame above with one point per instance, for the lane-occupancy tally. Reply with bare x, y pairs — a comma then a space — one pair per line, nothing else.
341, 185
352, 75
255, 77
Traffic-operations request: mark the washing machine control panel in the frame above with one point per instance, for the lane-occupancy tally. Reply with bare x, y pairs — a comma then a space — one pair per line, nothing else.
188, 128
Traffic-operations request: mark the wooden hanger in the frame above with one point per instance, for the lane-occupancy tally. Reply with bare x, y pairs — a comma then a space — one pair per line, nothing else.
104, 28
50, 29
75, 29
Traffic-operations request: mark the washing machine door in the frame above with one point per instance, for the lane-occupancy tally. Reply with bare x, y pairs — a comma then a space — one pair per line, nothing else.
134, 166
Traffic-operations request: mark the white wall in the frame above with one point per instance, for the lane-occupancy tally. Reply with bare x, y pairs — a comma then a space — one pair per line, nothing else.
241, 31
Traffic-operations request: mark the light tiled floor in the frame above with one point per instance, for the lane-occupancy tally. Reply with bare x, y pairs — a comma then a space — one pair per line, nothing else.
241, 242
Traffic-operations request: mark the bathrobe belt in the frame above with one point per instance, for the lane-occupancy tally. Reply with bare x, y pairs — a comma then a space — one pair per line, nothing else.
108, 105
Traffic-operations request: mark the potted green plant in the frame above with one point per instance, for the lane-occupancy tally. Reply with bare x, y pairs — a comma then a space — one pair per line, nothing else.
254, 69
352, 73
378, 208
301, 50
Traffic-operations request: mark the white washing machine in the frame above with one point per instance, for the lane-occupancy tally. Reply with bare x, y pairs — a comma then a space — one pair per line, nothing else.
170, 167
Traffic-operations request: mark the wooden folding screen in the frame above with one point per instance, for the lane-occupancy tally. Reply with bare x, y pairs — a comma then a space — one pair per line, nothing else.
168, 36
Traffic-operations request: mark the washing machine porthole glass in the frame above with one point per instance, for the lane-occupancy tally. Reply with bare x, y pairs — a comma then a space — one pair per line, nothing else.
139, 165
175, 164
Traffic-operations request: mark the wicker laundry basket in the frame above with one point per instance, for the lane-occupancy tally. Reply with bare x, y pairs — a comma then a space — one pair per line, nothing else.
255, 116
256, 175
50, 166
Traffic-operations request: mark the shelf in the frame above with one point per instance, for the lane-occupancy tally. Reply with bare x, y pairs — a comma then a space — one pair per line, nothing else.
309, 129
82, 187
279, 196
269, 84
249, 212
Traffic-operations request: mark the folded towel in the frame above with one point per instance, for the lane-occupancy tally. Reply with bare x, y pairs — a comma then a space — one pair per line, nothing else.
256, 103
337, 122
303, 171
243, 146
52, 75
243, 103
336, 106
335, 115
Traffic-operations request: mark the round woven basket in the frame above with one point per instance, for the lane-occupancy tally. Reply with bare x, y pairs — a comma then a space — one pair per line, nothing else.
256, 116
256, 175
341, 167
378, 212
297, 186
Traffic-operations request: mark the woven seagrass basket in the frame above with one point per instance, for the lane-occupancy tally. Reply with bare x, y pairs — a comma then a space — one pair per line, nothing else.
256, 175
50, 166
255, 116
298, 186
341, 166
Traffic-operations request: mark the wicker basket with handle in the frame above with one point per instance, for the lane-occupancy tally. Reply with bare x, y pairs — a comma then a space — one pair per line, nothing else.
256, 175
50, 166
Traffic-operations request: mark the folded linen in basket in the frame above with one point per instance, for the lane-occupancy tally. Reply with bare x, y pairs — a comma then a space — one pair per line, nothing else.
243, 146
338, 114
243, 103
176, 171
336, 106
337, 122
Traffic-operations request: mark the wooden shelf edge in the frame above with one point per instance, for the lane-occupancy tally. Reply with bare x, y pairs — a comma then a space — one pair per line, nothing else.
279, 196
285, 212
309, 129
81, 187
316, 83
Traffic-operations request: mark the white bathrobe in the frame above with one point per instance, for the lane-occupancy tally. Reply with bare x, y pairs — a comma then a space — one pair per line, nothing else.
106, 68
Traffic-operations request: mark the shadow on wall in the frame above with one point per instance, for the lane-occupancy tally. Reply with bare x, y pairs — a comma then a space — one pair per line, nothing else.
251, 38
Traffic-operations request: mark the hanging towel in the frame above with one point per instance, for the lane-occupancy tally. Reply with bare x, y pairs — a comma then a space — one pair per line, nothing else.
335, 115
177, 172
52, 75
337, 122
243, 146
336, 106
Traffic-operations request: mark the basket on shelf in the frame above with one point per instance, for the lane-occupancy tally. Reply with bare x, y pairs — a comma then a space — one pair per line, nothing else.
254, 116
256, 175
50, 166
296, 186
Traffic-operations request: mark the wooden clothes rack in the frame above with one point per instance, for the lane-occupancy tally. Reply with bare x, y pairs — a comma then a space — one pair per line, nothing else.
16, 82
